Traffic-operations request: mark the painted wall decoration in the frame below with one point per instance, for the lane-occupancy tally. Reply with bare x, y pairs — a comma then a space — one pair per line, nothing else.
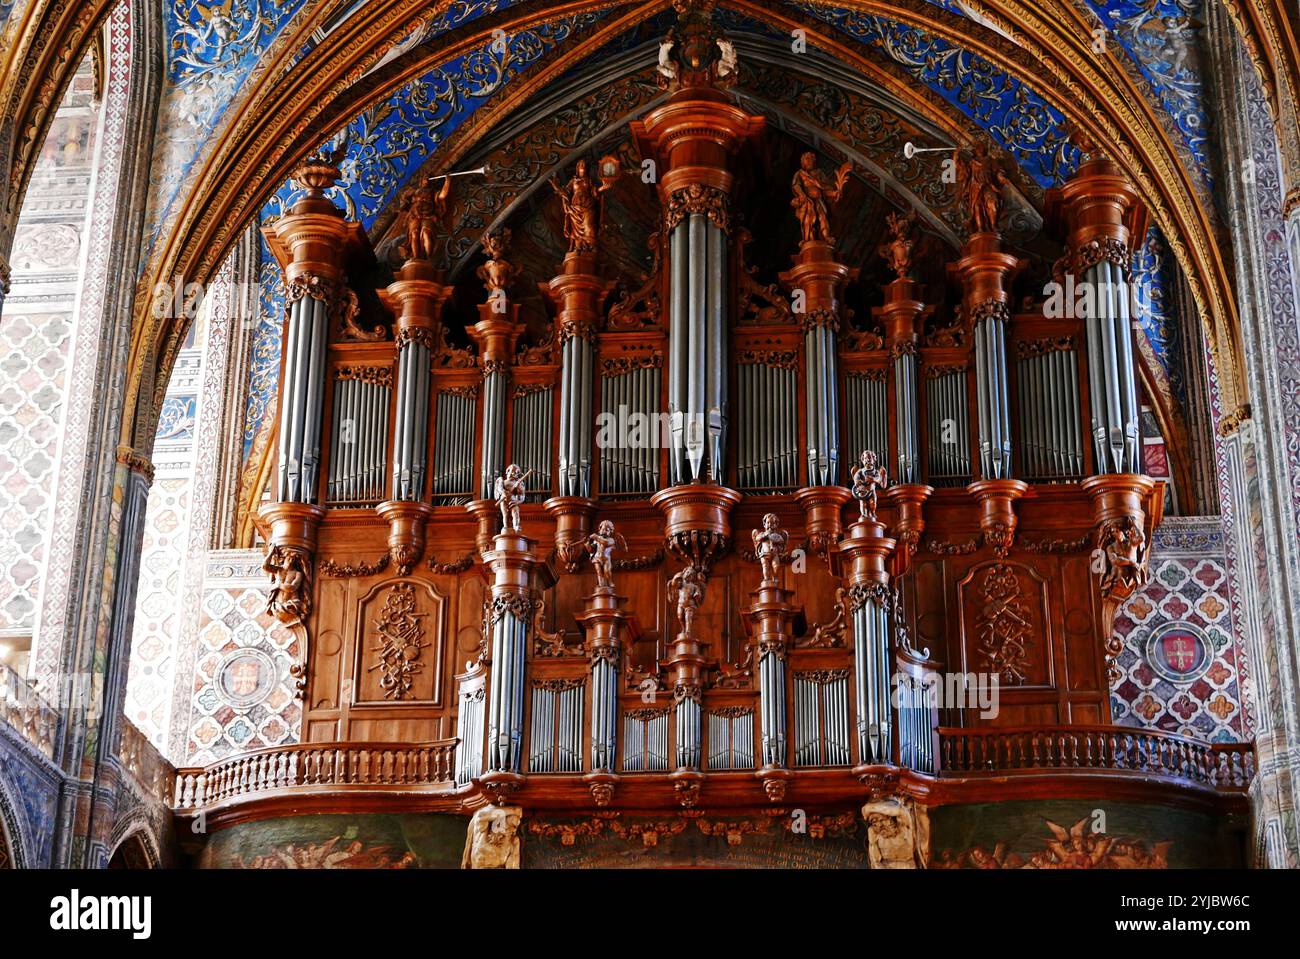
30, 785
388, 141
1160, 38
369, 841
1188, 593
1019, 119
233, 710
1071, 834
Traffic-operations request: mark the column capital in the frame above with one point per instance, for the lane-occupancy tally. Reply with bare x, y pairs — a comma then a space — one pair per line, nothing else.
136, 462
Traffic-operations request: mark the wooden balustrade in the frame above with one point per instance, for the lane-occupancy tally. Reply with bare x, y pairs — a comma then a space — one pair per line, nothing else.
965, 753
310, 765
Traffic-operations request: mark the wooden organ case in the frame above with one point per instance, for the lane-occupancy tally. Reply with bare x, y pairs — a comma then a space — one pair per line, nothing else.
997, 521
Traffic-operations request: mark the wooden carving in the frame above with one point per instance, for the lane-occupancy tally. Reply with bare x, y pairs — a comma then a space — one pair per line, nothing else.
400, 642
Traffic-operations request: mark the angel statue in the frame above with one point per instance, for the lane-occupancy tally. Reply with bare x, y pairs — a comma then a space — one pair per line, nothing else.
687, 588
1123, 546
288, 601
496, 273
897, 250
667, 67
580, 198
868, 477
982, 180
769, 544
510, 492
600, 546
422, 210
813, 192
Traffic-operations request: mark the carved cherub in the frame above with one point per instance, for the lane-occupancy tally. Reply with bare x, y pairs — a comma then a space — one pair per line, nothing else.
727, 63
422, 211
510, 494
868, 477
667, 67
897, 251
813, 192
496, 273
769, 544
580, 198
288, 600
687, 587
600, 546
1123, 547
982, 180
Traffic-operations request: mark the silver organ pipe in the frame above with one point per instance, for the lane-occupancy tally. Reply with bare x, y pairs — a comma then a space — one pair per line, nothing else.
867, 416
645, 741
1047, 378
688, 716
302, 399
530, 436
771, 676
359, 436
731, 738
469, 751
766, 403
506, 699
821, 386
631, 465
494, 417
1111, 375
991, 391
455, 417
905, 406
821, 725
697, 381
555, 727
604, 713
873, 669
947, 426
411, 429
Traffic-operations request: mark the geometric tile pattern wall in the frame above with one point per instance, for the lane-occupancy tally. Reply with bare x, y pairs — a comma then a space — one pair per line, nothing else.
35, 347
1188, 585
234, 618
158, 611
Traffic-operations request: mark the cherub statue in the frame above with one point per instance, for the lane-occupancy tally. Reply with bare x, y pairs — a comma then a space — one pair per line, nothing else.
769, 544
600, 546
727, 61
868, 477
510, 493
982, 180
288, 600
667, 67
897, 250
813, 192
496, 273
581, 201
1123, 546
422, 211
687, 587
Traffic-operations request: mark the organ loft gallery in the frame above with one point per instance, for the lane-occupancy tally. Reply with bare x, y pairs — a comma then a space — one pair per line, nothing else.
603, 435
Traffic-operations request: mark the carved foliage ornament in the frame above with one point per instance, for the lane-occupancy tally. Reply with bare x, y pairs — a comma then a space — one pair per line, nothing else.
698, 198
376, 375
1102, 249
422, 335
400, 642
1003, 625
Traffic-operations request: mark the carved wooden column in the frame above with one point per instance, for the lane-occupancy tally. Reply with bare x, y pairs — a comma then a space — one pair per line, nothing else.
985, 272
770, 619
495, 334
817, 282
517, 576
865, 554
577, 294
310, 242
417, 299
605, 622
1126, 511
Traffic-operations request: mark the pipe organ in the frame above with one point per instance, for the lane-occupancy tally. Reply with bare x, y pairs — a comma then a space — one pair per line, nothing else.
760, 530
